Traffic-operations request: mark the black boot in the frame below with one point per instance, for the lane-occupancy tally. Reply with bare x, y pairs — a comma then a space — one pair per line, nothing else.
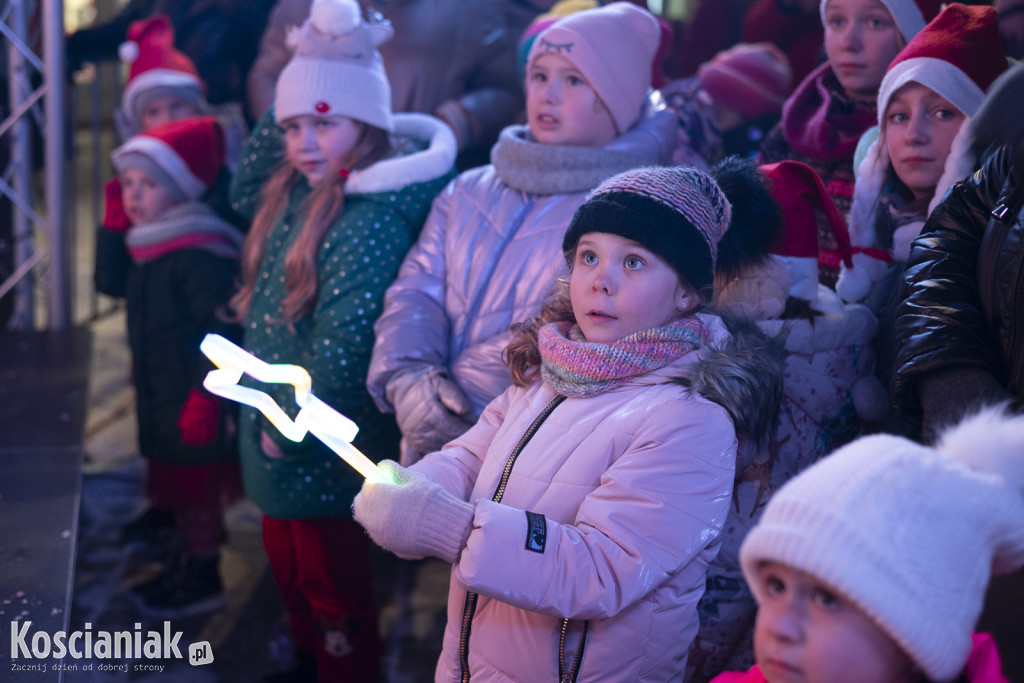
154, 527
189, 586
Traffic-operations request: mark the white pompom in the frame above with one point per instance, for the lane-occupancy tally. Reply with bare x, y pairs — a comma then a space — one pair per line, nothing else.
870, 399
128, 51
991, 440
335, 17
855, 283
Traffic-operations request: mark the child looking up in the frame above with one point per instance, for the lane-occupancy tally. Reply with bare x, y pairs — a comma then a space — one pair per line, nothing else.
349, 186
602, 466
490, 246
872, 565
184, 262
828, 112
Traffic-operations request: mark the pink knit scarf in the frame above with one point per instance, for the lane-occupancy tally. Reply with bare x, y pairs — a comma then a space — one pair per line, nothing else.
574, 367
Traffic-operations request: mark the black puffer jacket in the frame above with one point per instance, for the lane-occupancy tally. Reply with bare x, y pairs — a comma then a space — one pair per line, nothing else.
964, 303
171, 305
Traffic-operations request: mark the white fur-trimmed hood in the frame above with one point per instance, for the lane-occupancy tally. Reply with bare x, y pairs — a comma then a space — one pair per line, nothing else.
400, 171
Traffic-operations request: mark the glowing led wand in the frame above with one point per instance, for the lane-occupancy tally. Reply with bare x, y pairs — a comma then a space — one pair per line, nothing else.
315, 416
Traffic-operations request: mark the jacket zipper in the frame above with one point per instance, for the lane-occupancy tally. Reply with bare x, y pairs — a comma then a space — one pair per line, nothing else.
571, 675
471, 598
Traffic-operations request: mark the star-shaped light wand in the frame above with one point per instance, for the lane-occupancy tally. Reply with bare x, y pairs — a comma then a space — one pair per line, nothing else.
315, 416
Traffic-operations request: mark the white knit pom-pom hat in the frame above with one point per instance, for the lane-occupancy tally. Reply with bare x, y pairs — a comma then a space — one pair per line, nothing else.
336, 68
907, 533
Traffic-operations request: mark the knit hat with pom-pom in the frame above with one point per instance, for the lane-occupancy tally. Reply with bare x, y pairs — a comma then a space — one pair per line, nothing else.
907, 533
157, 68
677, 212
336, 68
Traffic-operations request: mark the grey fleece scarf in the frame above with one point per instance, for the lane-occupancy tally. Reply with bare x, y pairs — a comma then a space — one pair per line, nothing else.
532, 167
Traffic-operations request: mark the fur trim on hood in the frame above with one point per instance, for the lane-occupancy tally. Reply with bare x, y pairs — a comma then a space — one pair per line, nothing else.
419, 167
744, 376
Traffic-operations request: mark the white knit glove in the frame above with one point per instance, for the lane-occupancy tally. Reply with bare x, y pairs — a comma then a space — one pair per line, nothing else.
414, 517
431, 410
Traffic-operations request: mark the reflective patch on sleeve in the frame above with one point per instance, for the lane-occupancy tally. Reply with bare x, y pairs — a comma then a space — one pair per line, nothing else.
536, 532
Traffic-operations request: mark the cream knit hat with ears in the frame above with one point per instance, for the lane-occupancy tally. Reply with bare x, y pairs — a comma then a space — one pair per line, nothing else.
907, 533
336, 69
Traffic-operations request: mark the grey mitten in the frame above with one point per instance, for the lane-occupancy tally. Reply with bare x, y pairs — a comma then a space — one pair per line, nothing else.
414, 517
431, 410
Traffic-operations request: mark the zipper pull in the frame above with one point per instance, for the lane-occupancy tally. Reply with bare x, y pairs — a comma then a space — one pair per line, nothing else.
999, 213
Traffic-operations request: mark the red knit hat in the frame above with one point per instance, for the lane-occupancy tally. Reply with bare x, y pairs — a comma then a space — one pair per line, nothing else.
185, 156
800, 193
156, 66
752, 78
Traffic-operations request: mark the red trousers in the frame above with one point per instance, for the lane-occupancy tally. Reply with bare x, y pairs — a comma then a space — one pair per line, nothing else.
198, 495
322, 568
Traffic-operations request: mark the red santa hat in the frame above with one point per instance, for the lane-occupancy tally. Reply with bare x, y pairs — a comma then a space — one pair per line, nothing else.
157, 68
800, 194
184, 156
910, 15
958, 55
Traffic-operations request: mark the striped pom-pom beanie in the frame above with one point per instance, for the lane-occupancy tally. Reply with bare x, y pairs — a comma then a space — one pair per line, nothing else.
677, 212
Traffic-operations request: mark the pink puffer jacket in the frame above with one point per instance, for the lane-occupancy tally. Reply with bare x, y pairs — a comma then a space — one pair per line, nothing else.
610, 515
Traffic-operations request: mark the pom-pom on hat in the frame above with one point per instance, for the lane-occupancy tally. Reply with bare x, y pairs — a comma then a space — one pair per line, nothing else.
752, 78
677, 212
157, 67
910, 15
184, 156
614, 47
337, 68
907, 533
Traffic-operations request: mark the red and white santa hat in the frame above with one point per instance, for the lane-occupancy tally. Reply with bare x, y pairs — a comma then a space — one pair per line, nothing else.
910, 15
157, 67
958, 55
184, 156
800, 195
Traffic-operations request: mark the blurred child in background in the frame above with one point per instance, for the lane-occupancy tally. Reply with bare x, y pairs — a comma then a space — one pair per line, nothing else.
490, 246
184, 259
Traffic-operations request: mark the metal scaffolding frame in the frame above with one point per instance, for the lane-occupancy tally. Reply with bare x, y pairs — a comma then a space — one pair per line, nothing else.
36, 96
